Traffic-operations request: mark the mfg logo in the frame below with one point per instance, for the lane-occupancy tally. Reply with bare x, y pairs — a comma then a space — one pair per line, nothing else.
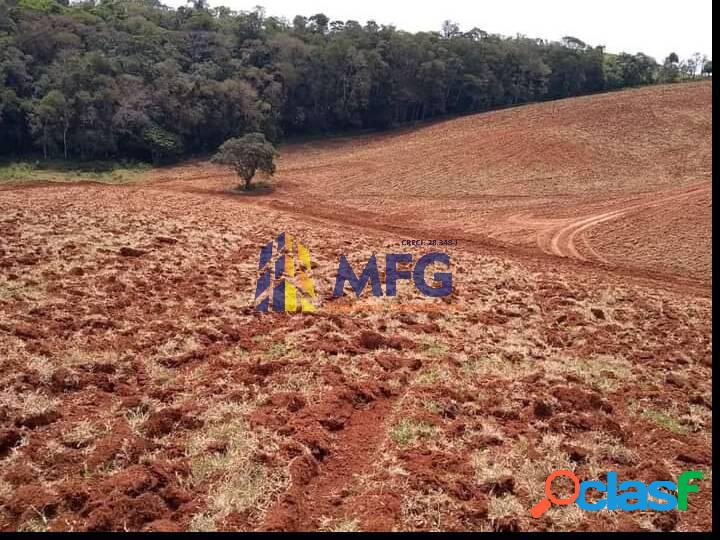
284, 282
371, 274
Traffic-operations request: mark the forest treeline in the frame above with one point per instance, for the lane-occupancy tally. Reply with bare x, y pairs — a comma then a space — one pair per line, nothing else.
135, 79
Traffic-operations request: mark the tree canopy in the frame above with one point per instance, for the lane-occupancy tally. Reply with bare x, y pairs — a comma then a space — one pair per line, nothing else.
132, 78
247, 155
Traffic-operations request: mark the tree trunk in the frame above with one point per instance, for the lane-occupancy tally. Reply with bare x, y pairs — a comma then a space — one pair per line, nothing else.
65, 130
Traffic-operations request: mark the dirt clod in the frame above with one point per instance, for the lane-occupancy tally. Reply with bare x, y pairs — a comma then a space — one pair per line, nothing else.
131, 252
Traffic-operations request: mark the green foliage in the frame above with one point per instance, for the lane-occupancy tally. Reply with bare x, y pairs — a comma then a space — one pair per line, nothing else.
163, 143
623, 70
406, 432
670, 71
135, 79
46, 6
666, 421
69, 171
246, 155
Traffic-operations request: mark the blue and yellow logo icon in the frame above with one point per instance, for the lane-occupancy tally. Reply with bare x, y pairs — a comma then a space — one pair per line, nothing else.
285, 285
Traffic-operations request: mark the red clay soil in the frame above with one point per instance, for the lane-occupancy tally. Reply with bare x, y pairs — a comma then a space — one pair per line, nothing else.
140, 390
532, 176
355, 416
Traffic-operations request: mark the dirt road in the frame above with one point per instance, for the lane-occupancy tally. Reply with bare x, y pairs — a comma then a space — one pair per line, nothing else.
560, 237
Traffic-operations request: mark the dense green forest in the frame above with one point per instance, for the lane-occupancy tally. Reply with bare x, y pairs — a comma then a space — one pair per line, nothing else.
134, 79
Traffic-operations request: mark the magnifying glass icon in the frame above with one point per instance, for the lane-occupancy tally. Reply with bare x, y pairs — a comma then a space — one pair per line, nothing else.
544, 505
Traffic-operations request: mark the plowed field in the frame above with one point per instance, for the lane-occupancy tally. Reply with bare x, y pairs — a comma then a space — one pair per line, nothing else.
141, 390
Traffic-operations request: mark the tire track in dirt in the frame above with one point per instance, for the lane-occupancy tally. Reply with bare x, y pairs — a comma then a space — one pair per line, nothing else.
563, 240
368, 223
539, 231
555, 237
321, 479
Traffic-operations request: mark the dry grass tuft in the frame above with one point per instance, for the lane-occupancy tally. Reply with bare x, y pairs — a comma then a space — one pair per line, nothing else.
407, 432
238, 482
81, 434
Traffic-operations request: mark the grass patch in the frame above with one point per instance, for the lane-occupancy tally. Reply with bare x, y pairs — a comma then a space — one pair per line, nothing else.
238, 482
406, 432
277, 350
488, 468
432, 347
427, 511
31, 404
341, 525
433, 407
607, 448
495, 365
35, 525
604, 372
80, 435
60, 171
136, 417
6, 490
21, 292
433, 376
529, 474
505, 506
666, 421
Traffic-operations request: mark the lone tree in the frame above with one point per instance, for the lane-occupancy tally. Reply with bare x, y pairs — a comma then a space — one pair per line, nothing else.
247, 155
